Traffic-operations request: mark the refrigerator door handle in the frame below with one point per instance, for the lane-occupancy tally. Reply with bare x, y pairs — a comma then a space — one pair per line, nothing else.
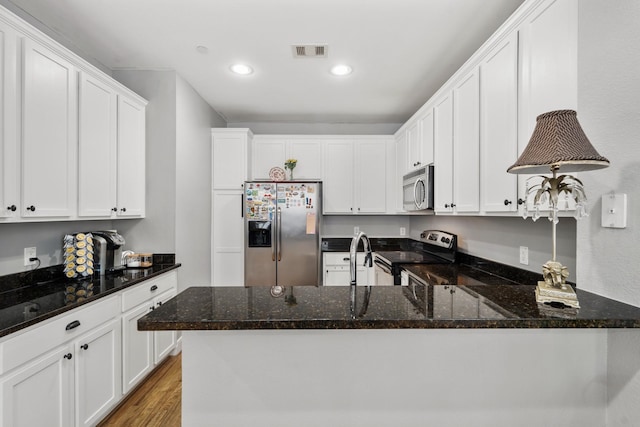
273, 241
279, 231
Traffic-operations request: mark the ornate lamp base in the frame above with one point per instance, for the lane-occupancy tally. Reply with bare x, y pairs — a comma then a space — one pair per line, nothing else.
549, 293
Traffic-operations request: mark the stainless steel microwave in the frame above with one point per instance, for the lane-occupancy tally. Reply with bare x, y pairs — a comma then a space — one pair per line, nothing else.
417, 189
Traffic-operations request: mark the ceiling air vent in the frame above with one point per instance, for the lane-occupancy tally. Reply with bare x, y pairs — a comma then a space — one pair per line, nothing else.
310, 50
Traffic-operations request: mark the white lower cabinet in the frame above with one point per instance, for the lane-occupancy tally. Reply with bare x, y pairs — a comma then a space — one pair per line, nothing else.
142, 350
71, 374
73, 369
336, 269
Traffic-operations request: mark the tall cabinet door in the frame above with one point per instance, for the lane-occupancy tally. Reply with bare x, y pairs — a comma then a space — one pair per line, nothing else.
9, 148
371, 179
499, 126
49, 137
338, 177
466, 145
443, 153
131, 158
97, 139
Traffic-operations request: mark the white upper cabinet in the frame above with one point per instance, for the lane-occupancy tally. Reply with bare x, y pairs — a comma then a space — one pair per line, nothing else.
499, 126
230, 158
49, 138
9, 144
443, 153
425, 124
414, 147
131, 158
97, 139
273, 150
401, 169
355, 176
466, 144
549, 68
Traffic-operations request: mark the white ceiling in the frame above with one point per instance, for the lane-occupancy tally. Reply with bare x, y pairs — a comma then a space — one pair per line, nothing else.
401, 51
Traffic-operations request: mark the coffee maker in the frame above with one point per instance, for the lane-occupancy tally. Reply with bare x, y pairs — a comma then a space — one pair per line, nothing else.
108, 251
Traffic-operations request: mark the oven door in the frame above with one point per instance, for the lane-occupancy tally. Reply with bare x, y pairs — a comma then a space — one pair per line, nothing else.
384, 277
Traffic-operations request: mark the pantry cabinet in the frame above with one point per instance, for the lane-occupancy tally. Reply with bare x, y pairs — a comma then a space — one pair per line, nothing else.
499, 126
232, 153
355, 178
49, 137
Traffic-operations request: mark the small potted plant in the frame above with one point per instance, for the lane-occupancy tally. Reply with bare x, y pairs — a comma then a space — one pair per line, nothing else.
290, 164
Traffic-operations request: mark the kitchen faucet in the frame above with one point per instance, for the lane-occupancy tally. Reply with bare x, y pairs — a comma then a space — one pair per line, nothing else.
352, 265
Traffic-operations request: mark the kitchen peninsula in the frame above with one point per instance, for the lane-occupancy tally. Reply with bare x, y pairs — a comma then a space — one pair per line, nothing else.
250, 358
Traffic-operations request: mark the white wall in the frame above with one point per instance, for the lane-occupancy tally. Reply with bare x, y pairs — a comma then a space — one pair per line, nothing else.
499, 239
609, 112
373, 226
194, 120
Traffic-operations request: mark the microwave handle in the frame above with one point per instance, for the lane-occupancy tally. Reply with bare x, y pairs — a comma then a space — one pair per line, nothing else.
419, 203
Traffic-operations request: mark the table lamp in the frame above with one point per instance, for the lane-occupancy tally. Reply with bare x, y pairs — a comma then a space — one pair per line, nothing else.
558, 143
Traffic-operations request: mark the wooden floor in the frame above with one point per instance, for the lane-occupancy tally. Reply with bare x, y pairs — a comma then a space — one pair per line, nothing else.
157, 402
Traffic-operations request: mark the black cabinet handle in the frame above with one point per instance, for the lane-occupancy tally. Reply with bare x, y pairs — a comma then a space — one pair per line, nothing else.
520, 201
152, 308
31, 208
446, 205
507, 202
346, 258
453, 205
84, 346
114, 209
12, 208
123, 210
154, 288
68, 356
159, 303
73, 325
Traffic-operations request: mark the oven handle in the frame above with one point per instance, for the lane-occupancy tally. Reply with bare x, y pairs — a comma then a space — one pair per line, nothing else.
383, 266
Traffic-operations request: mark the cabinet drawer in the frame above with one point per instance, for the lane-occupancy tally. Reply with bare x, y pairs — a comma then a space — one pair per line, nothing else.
148, 289
55, 332
341, 258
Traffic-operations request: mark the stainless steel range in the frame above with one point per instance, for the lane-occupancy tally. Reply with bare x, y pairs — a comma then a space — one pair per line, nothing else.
439, 247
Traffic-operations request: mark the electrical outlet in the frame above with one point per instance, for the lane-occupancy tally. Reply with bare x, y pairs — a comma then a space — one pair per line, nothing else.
524, 255
28, 254
403, 231
356, 230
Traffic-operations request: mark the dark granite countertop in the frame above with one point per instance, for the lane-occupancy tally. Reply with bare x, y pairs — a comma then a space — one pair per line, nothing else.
479, 301
343, 244
26, 302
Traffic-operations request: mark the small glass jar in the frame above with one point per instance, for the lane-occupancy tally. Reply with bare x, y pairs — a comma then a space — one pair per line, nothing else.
143, 260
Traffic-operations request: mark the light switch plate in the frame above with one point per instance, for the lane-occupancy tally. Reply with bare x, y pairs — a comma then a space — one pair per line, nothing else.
614, 210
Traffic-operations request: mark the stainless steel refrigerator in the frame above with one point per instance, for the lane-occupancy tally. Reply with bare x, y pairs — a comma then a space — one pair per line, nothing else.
282, 233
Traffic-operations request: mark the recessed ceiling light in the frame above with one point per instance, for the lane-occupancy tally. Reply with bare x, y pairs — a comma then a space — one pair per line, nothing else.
241, 69
202, 49
341, 70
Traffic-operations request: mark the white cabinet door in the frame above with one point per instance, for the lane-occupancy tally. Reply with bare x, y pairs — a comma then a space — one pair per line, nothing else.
371, 177
401, 169
49, 137
228, 238
337, 272
414, 146
98, 373
338, 178
41, 393
137, 348
163, 341
426, 137
131, 158
9, 144
97, 139
266, 155
499, 126
230, 158
549, 68
443, 153
466, 144
308, 152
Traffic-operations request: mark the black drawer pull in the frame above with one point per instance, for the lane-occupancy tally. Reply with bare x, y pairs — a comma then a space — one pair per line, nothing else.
84, 346
346, 258
154, 288
68, 356
12, 208
73, 325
